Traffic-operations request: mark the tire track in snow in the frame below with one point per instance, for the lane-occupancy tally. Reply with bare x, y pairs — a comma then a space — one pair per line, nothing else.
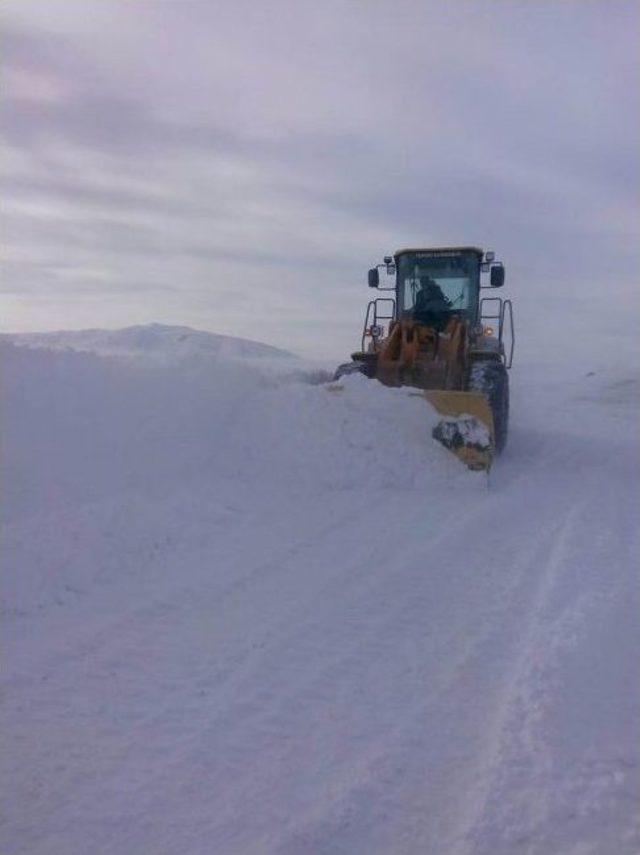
543, 562
532, 787
408, 596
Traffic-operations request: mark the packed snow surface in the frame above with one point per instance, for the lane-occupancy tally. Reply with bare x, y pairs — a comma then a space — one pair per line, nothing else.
246, 611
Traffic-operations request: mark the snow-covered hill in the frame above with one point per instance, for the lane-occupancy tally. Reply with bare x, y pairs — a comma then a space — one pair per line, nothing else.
148, 340
245, 612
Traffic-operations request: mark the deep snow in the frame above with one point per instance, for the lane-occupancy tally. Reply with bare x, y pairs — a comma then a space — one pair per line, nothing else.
246, 612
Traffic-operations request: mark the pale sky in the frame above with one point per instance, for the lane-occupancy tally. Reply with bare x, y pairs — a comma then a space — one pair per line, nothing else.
237, 166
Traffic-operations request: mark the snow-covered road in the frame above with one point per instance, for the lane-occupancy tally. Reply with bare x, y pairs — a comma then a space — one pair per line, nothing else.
246, 614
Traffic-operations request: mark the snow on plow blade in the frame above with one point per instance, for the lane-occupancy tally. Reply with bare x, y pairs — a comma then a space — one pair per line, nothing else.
467, 427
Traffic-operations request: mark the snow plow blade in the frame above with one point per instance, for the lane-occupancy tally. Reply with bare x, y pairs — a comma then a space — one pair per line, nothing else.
467, 427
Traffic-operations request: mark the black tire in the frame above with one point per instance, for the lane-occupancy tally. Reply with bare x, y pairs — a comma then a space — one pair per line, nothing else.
490, 377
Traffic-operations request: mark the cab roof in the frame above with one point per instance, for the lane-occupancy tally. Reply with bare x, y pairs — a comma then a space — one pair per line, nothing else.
479, 252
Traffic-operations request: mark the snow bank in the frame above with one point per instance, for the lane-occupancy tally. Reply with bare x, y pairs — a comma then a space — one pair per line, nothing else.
82, 429
79, 426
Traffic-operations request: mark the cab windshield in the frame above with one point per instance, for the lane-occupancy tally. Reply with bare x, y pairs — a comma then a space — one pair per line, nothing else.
441, 281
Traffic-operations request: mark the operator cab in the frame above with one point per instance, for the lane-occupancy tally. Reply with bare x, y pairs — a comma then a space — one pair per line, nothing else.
431, 285
434, 284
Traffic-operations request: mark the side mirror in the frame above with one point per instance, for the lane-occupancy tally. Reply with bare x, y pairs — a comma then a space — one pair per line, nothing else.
374, 278
497, 276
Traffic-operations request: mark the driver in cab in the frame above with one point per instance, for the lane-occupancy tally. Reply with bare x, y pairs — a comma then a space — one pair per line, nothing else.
431, 306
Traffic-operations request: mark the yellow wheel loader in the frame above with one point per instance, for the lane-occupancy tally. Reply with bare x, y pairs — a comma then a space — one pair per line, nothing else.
437, 334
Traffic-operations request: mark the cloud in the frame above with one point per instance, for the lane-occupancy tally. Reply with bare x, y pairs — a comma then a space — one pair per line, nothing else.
187, 162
